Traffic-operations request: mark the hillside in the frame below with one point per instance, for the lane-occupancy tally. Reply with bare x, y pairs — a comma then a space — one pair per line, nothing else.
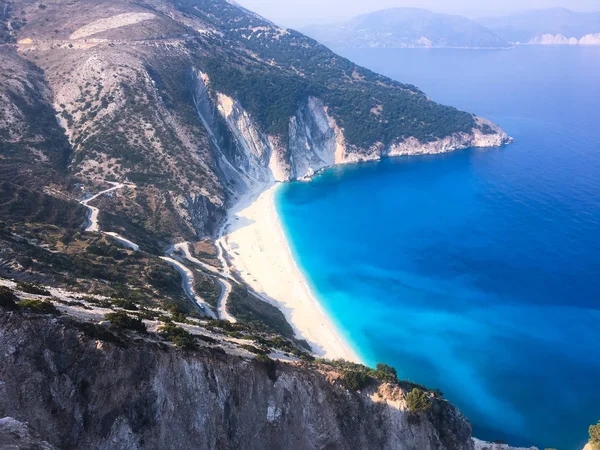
107, 389
406, 28
127, 130
552, 26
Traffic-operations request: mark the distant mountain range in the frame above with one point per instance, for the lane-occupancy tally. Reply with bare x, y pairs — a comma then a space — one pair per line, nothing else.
419, 28
406, 28
547, 26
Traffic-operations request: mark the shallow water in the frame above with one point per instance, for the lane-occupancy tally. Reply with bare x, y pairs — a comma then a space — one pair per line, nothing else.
475, 272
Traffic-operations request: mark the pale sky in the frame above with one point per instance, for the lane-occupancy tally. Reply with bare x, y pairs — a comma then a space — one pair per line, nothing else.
296, 13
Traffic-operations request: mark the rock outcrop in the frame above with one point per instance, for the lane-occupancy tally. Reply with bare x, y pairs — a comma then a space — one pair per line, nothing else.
482, 445
78, 392
15, 435
250, 158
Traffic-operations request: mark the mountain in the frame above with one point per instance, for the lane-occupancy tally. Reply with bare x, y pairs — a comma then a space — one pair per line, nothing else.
127, 129
547, 26
406, 28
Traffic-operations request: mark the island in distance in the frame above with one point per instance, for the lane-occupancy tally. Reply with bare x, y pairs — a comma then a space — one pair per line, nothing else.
420, 28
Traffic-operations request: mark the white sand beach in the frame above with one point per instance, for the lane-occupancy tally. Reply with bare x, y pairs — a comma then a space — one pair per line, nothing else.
257, 246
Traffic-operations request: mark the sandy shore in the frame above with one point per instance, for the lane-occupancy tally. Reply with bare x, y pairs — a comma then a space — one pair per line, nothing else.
257, 246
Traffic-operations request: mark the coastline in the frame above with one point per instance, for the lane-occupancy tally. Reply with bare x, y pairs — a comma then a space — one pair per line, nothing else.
257, 247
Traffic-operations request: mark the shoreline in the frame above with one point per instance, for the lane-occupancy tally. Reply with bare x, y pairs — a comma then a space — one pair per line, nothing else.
258, 249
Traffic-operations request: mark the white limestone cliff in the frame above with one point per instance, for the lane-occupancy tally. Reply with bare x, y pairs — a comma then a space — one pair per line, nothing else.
250, 158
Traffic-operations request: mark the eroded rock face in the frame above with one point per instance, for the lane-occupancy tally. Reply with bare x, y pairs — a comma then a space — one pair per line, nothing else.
76, 392
495, 137
15, 435
204, 215
312, 144
250, 158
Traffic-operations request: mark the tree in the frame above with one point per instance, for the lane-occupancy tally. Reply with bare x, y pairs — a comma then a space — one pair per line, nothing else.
178, 336
355, 380
39, 306
417, 401
120, 319
385, 373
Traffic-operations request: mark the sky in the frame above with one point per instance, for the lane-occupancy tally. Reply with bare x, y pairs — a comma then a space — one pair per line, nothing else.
297, 13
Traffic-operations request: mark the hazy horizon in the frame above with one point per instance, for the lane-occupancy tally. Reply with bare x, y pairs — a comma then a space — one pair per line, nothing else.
297, 14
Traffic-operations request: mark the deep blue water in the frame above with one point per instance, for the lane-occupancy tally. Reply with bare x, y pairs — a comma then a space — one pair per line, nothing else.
475, 272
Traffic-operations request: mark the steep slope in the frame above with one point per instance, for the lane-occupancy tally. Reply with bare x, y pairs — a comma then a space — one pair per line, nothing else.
77, 391
552, 26
189, 104
406, 28
128, 78
185, 105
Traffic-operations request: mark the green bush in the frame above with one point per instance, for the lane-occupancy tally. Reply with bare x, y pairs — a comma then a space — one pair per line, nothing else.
595, 436
355, 379
125, 304
385, 373
34, 289
178, 336
39, 306
120, 319
417, 401
7, 298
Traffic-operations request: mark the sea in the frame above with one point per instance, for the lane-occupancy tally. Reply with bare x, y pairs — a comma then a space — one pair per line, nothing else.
475, 272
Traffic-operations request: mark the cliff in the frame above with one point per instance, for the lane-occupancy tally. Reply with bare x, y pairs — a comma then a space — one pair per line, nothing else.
75, 391
186, 105
315, 140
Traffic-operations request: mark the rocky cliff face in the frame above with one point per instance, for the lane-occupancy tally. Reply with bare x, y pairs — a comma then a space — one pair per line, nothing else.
78, 392
251, 158
482, 445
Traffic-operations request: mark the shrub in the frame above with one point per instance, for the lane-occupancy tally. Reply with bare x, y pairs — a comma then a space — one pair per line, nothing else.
178, 336
206, 339
97, 332
39, 306
355, 379
125, 304
417, 401
253, 349
595, 436
120, 319
34, 289
385, 373
7, 298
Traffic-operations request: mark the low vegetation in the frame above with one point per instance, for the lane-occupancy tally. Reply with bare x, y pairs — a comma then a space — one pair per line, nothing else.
178, 336
357, 376
257, 314
39, 306
417, 401
121, 319
34, 289
356, 380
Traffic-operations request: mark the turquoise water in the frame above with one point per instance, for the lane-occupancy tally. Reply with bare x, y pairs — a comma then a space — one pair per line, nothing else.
475, 272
